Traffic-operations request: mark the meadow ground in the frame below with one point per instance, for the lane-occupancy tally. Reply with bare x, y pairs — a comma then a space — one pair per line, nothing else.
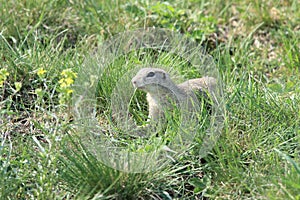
255, 45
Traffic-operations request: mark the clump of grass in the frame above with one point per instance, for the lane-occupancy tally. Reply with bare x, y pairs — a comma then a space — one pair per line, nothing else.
90, 178
28, 171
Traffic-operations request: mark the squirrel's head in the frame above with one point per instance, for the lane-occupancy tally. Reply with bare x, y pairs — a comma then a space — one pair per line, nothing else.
149, 79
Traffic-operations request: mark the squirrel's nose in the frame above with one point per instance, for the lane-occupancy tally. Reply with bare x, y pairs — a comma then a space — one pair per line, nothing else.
134, 82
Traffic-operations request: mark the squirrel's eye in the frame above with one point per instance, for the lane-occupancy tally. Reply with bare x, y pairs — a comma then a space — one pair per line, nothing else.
150, 74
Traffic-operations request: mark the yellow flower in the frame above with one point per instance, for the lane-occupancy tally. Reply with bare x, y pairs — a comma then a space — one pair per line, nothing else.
62, 83
68, 73
69, 91
69, 81
40, 72
66, 82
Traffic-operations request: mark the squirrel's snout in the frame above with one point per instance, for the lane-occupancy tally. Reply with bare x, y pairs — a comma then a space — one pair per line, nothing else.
134, 82
137, 84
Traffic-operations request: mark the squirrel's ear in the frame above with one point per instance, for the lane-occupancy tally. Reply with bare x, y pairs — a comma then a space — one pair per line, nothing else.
164, 75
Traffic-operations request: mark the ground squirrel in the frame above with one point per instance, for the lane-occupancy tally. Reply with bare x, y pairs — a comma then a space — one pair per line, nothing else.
159, 87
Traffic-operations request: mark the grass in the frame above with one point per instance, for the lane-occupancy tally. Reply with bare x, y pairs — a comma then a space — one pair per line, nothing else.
255, 45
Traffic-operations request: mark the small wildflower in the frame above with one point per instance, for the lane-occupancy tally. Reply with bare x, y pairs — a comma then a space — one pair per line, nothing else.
62, 83
41, 72
69, 73
65, 83
69, 91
